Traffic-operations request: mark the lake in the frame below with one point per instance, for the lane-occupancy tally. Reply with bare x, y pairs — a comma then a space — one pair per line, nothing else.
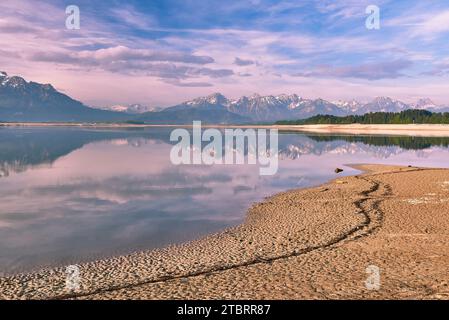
69, 195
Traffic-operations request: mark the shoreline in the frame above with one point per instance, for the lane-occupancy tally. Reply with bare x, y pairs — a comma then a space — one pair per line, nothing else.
298, 244
424, 130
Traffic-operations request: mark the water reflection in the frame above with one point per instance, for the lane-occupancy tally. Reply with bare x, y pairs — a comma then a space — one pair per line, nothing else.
69, 194
405, 142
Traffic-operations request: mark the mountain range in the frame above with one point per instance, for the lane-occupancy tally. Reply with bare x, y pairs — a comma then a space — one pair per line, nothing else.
272, 108
21, 100
135, 108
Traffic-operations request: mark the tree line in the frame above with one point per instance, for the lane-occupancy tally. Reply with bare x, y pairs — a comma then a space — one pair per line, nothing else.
403, 117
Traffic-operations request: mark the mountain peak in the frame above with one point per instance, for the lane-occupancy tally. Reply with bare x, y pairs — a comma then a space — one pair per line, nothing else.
386, 101
346, 102
425, 102
14, 82
215, 95
350, 106
255, 96
23, 100
383, 104
212, 100
284, 96
382, 99
135, 108
3, 74
216, 98
48, 87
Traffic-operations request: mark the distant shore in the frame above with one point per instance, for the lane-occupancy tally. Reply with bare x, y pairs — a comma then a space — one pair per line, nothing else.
427, 130
438, 130
316, 243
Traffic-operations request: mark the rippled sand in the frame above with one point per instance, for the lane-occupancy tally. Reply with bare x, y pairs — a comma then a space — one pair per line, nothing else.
303, 244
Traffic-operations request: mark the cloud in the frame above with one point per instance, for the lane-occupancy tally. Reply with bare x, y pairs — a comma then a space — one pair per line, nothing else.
127, 61
164, 70
119, 53
15, 28
368, 71
124, 60
189, 84
7, 53
439, 70
243, 62
213, 73
433, 24
421, 22
173, 51
131, 17
343, 9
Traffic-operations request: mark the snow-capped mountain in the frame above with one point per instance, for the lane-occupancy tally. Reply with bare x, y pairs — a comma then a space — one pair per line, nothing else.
210, 109
383, 104
309, 108
350, 106
288, 107
264, 108
22, 100
293, 100
16, 82
424, 103
132, 108
428, 104
213, 101
268, 108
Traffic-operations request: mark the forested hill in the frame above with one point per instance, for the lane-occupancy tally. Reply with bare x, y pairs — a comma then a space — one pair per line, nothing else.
404, 117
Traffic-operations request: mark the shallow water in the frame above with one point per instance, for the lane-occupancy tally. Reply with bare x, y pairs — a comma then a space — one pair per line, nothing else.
69, 195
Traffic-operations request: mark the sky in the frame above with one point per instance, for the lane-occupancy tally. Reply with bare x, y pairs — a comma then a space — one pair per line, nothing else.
160, 53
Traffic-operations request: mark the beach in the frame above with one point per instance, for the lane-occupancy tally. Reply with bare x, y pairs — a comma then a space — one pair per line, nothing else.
415, 130
315, 243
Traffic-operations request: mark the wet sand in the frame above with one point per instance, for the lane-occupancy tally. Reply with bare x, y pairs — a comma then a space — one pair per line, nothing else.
312, 243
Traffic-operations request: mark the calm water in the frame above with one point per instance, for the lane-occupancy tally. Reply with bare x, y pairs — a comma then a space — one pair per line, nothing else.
70, 195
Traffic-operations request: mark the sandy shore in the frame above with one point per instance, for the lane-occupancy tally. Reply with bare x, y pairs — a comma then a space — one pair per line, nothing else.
424, 130
302, 244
